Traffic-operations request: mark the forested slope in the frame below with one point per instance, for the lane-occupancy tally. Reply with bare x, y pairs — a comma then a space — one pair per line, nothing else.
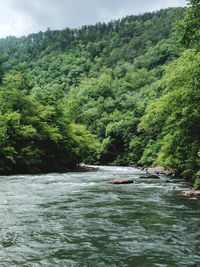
125, 92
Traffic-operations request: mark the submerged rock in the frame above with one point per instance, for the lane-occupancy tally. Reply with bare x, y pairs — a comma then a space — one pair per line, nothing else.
121, 181
191, 193
170, 181
174, 181
152, 176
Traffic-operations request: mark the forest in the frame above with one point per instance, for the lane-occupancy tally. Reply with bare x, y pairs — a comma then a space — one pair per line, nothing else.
124, 93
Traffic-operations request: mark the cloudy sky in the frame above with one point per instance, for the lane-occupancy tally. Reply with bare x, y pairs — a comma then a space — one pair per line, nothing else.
20, 17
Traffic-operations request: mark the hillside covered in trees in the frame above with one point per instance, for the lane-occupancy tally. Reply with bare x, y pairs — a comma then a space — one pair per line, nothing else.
126, 92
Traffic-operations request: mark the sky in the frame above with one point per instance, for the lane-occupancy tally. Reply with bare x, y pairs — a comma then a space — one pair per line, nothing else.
21, 17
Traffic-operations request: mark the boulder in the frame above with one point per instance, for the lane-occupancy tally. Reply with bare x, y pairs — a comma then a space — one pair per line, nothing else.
191, 193
121, 181
159, 171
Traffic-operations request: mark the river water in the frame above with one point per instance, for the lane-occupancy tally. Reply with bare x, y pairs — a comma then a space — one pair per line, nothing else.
77, 219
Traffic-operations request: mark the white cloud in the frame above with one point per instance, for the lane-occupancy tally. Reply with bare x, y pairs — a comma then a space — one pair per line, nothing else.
20, 17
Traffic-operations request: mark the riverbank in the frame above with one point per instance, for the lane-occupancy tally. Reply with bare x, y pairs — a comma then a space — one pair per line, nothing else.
78, 168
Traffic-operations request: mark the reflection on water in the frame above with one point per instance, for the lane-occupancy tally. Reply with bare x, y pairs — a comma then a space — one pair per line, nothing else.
77, 219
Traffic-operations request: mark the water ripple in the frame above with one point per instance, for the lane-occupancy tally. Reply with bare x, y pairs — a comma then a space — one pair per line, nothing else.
77, 219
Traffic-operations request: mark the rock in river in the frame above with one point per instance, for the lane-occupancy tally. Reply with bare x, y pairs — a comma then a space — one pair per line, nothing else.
121, 181
152, 176
191, 193
159, 170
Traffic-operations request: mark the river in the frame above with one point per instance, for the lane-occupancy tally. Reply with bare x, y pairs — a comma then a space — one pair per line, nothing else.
77, 219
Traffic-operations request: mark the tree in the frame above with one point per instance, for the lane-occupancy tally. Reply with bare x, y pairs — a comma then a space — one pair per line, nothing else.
1, 68
173, 121
189, 27
38, 136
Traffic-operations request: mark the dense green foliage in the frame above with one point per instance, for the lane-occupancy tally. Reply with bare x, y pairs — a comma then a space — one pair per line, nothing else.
172, 121
133, 83
36, 134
